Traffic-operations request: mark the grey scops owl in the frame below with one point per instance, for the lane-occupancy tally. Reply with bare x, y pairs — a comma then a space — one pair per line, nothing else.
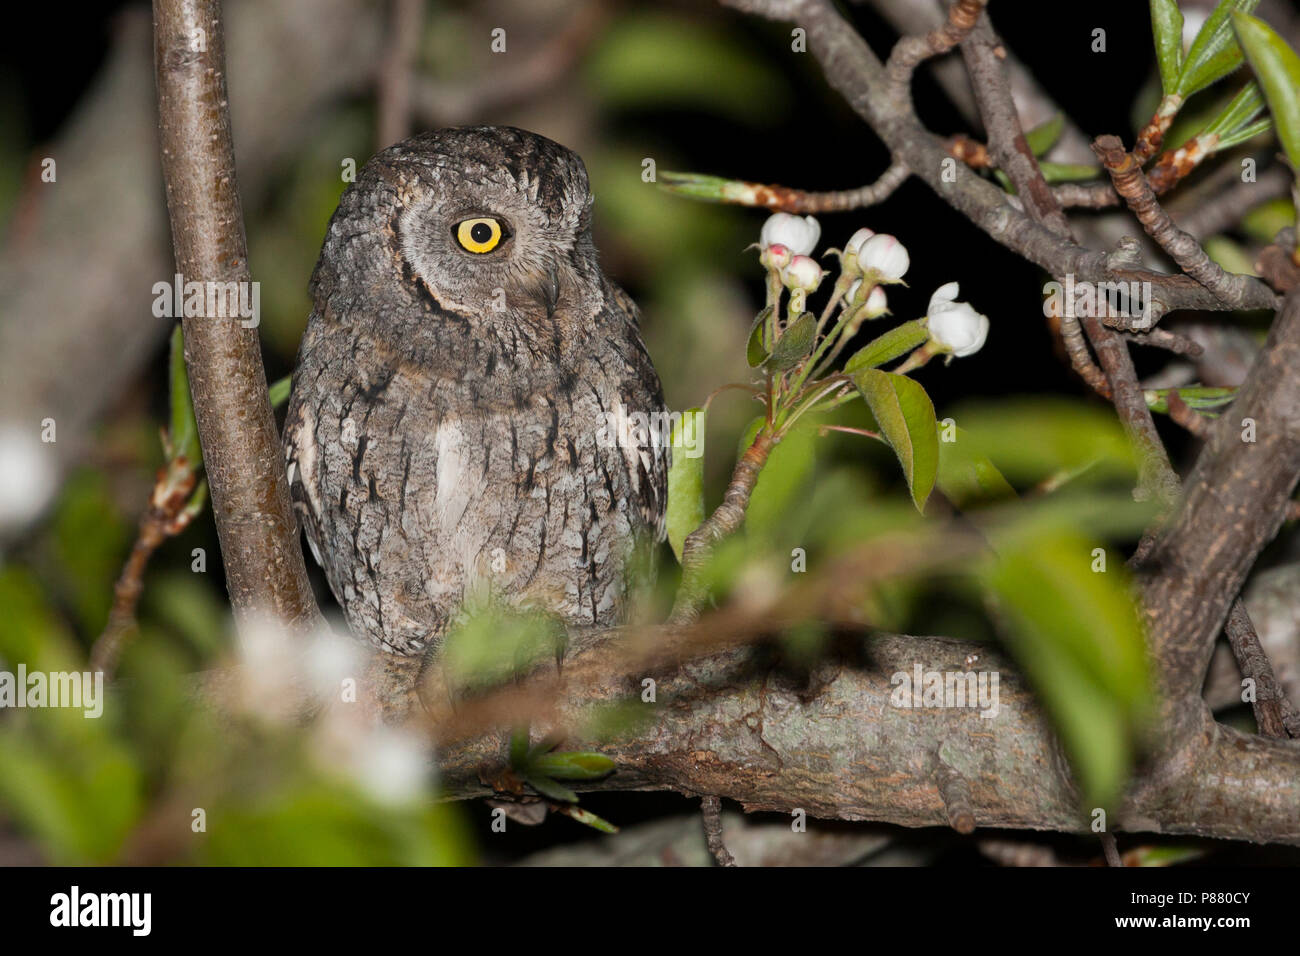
445, 427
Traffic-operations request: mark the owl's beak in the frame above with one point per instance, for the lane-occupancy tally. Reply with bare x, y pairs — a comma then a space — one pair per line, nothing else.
548, 289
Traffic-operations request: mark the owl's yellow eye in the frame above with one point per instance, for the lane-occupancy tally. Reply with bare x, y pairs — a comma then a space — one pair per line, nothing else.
479, 235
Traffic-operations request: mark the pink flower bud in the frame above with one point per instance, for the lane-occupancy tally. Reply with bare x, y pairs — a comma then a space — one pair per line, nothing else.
775, 256
803, 273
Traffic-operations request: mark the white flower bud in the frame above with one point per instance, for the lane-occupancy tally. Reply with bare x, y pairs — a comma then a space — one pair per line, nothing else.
802, 273
800, 233
876, 305
884, 256
856, 240
955, 326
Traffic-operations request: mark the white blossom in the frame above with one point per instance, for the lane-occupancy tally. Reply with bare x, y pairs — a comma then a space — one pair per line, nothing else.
955, 326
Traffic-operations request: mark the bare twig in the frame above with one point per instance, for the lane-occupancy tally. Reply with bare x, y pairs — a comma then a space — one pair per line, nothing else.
1186, 416
1007, 144
166, 516
711, 812
1224, 207
954, 789
1126, 173
396, 69
787, 199
241, 449
910, 51
728, 516
1270, 702
1164, 339
1109, 848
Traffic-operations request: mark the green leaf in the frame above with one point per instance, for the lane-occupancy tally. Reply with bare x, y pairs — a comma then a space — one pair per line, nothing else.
659, 60
587, 818
1078, 635
1237, 112
1167, 28
686, 479
756, 348
494, 643
966, 477
1032, 439
893, 344
550, 788
1278, 69
1241, 135
1198, 397
519, 748
1214, 53
905, 415
1044, 136
795, 343
1068, 172
279, 391
184, 433
573, 765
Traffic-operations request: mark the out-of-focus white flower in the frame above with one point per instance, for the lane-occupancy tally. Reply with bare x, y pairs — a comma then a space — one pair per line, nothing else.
799, 233
955, 326
391, 766
27, 478
883, 256
775, 257
803, 273
856, 240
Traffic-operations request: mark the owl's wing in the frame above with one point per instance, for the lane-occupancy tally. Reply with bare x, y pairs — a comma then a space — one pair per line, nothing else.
641, 391
300, 463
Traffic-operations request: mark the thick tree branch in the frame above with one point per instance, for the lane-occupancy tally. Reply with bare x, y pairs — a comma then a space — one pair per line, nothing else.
1234, 503
838, 744
241, 450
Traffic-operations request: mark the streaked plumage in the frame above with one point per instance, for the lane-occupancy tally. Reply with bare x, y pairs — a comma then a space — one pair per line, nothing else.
443, 430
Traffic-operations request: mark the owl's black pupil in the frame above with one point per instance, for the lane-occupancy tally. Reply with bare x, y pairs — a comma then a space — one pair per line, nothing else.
480, 232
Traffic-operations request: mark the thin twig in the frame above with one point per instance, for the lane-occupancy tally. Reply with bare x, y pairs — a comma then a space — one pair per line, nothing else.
397, 66
1164, 339
1126, 174
1270, 702
954, 789
727, 518
711, 812
1181, 413
911, 51
1110, 849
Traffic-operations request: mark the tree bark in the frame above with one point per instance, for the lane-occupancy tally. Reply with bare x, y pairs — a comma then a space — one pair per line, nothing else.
265, 573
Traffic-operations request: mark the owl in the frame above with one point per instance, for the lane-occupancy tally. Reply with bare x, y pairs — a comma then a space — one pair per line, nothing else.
453, 423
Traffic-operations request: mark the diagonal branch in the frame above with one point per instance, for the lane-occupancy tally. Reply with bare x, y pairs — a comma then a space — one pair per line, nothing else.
1246, 291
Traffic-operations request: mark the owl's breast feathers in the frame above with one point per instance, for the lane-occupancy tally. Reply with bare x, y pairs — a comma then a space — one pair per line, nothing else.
419, 482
